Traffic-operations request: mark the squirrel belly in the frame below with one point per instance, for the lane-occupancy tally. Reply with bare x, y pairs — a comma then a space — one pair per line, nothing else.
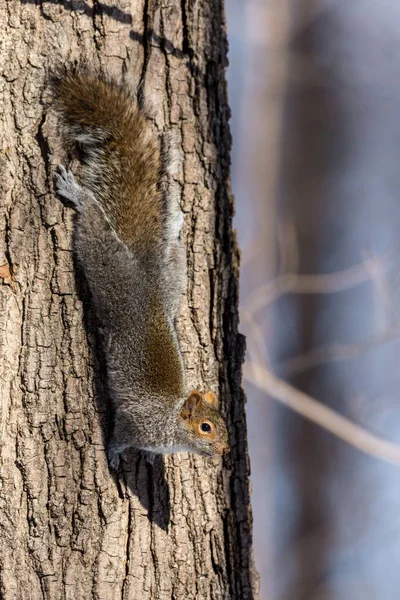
126, 238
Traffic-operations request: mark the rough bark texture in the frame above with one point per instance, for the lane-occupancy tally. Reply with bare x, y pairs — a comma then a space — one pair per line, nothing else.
70, 529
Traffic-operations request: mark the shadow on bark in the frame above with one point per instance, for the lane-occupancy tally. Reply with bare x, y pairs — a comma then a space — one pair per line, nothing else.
111, 11
146, 482
123, 17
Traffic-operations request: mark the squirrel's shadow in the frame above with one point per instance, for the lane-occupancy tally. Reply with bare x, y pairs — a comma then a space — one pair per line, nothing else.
112, 11
145, 481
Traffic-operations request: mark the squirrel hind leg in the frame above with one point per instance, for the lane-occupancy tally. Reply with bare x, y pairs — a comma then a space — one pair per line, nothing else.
174, 278
174, 216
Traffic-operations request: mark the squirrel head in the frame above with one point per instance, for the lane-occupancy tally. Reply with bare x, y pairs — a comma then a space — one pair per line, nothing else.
204, 424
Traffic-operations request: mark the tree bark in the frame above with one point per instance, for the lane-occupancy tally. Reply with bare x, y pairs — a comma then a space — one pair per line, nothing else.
69, 528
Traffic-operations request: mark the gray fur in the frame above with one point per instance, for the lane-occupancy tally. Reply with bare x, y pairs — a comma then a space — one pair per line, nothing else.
122, 288
127, 240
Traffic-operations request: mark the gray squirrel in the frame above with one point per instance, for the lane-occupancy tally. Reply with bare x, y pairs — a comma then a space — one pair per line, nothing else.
126, 239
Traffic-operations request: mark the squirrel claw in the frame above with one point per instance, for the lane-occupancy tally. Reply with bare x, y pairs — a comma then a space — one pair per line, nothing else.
67, 188
114, 458
150, 457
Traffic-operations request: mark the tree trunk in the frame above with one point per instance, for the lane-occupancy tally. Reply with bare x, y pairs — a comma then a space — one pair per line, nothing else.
69, 528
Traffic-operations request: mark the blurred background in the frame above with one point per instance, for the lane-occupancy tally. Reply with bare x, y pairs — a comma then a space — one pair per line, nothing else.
314, 88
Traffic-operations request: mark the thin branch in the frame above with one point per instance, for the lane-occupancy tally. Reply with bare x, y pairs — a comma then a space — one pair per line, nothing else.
323, 354
291, 283
323, 416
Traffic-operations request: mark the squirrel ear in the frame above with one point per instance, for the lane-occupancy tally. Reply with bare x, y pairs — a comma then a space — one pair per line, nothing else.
211, 399
191, 403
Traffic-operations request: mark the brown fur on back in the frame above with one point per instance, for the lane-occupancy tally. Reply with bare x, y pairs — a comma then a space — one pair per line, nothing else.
164, 372
124, 169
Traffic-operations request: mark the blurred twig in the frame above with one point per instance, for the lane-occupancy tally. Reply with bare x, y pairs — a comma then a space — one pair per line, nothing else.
258, 371
384, 306
292, 283
323, 354
258, 349
327, 418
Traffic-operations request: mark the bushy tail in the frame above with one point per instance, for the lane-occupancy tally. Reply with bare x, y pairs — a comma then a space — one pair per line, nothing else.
119, 150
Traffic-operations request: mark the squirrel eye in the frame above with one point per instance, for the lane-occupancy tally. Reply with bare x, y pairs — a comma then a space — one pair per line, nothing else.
205, 427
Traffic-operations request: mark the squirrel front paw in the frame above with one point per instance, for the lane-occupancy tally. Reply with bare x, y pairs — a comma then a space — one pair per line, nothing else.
150, 457
66, 187
114, 457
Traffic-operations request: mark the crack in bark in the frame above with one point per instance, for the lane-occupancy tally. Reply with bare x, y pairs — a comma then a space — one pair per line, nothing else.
147, 49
